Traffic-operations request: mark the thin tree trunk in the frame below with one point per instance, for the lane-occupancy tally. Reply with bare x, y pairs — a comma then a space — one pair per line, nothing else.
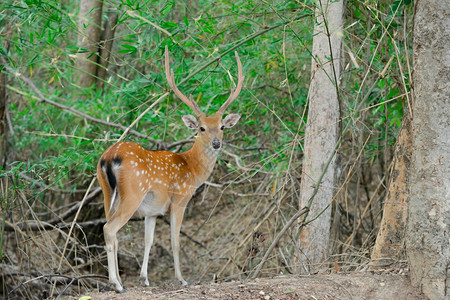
428, 225
321, 135
3, 127
107, 40
390, 242
4, 102
89, 26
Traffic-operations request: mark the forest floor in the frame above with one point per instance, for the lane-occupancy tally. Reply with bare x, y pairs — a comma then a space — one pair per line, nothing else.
332, 286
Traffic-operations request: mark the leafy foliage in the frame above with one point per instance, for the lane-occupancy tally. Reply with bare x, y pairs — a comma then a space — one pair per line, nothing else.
43, 44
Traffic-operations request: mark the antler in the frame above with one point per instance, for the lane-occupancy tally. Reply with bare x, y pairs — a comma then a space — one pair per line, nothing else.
234, 93
170, 78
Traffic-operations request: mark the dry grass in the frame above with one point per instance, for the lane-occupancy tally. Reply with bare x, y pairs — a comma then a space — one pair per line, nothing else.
227, 230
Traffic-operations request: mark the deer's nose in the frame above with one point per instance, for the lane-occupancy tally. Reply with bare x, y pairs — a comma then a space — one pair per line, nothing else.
215, 144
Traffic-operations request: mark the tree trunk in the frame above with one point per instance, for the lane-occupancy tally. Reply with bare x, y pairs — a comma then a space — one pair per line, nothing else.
3, 105
390, 242
4, 101
428, 232
106, 44
321, 135
89, 26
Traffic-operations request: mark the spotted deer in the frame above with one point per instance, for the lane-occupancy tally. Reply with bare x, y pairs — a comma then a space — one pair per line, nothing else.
148, 183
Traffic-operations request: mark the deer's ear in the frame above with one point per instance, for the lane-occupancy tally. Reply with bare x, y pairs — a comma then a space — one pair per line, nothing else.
231, 120
190, 121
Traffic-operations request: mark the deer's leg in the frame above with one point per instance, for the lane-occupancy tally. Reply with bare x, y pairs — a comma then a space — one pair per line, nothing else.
110, 231
125, 210
176, 217
149, 233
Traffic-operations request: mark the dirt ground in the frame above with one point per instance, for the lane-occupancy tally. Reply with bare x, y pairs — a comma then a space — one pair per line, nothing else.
333, 286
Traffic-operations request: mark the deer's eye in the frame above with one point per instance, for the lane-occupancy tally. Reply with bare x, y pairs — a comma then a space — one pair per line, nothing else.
222, 127
202, 128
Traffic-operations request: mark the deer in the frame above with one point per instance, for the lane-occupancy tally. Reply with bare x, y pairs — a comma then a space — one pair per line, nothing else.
149, 183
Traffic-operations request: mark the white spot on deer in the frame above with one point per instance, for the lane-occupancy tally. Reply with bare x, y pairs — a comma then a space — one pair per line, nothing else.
137, 173
184, 184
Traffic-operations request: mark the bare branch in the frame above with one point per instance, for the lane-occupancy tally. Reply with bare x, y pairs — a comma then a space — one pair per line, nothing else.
42, 98
301, 212
55, 220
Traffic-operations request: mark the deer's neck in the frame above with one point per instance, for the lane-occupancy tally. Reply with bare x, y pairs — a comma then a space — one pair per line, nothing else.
201, 160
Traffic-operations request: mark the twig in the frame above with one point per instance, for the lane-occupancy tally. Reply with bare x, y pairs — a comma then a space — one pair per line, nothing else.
50, 276
263, 86
69, 136
47, 187
243, 168
277, 239
186, 235
53, 221
71, 229
285, 262
103, 221
260, 148
349, 240
42, 98
77, 278
178, 143
128, 129
236, 159
132, 13
242, 42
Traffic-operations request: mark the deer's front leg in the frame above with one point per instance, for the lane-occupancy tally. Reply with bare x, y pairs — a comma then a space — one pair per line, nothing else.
176, 217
